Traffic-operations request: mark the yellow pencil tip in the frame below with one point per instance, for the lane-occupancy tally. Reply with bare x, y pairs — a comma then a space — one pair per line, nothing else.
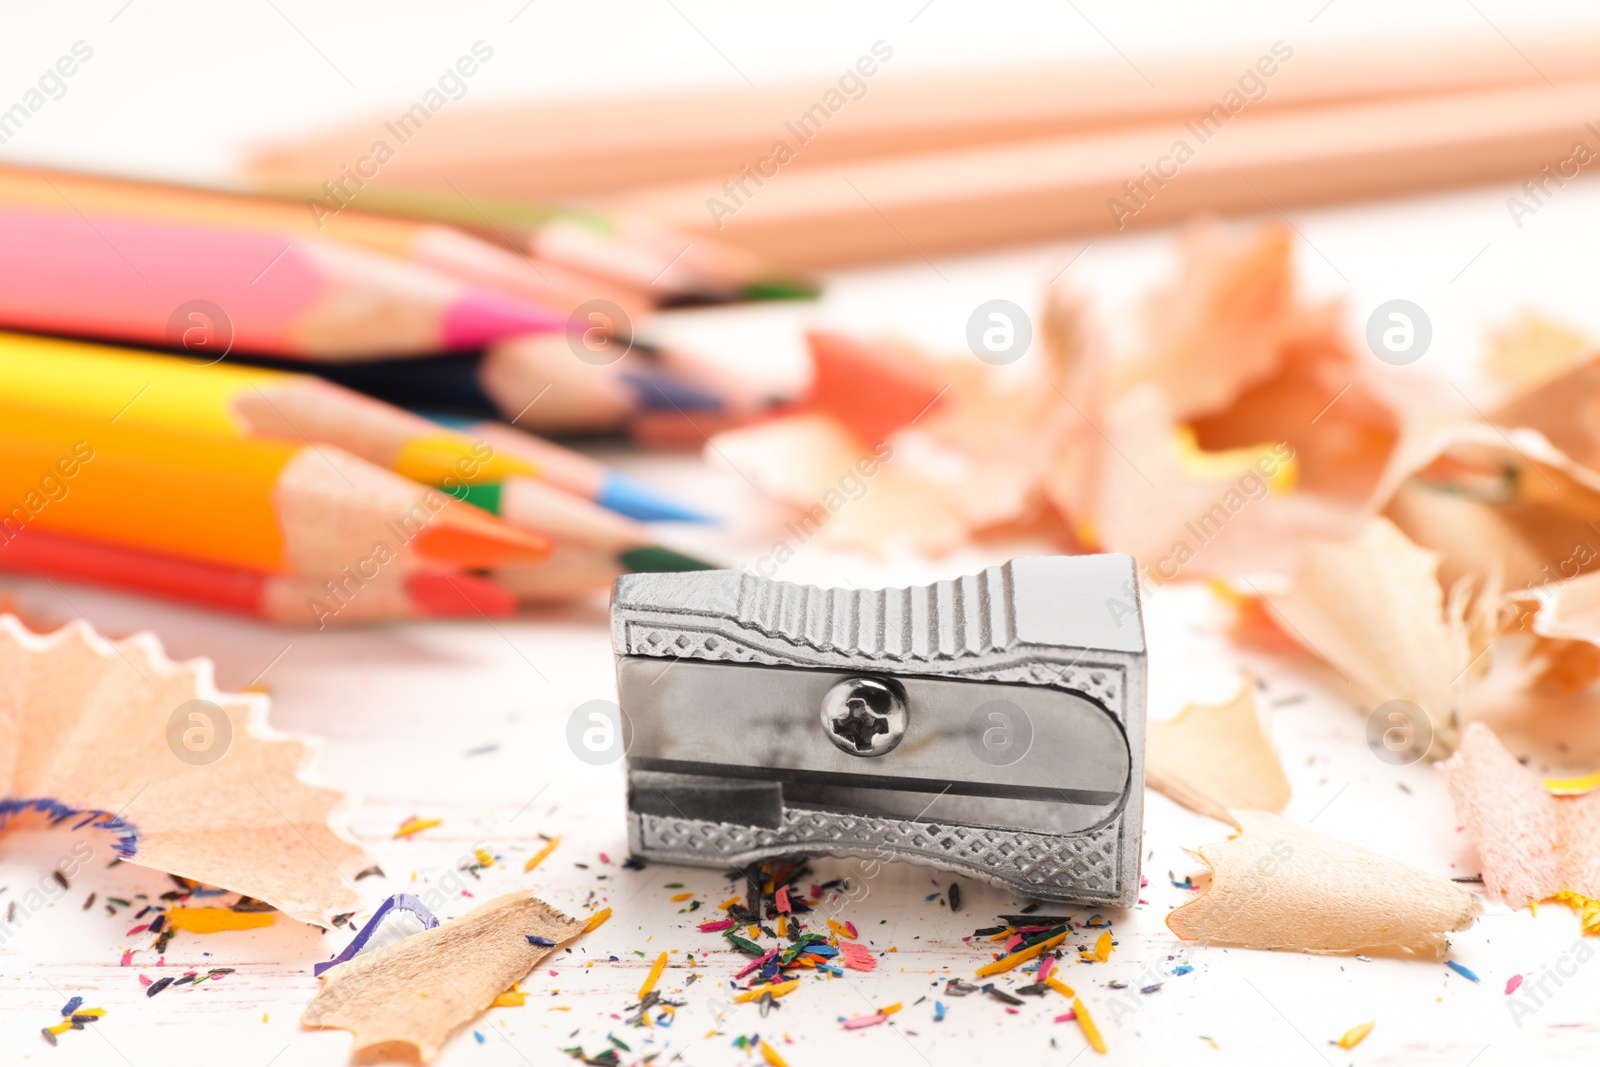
452, 459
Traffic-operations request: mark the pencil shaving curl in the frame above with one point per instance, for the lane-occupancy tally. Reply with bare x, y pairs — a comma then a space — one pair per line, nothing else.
1373, 609
98, 729
1534, 845
1278, 885
1224, 407
1211, 758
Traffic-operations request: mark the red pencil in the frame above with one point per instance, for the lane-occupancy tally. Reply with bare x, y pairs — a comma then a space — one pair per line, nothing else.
292, 599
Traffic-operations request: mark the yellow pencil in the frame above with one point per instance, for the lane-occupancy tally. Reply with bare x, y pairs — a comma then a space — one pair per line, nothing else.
166, 394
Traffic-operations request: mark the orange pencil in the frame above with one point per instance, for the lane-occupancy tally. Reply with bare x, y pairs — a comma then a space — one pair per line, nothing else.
259, 505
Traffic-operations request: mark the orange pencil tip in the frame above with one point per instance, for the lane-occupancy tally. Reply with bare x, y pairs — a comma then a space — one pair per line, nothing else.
464, 537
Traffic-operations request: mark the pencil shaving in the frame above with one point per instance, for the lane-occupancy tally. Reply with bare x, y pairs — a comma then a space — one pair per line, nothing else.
1533, 845
1278, 885
1242, 398
418, 990
1534, 350
1215, 757
942, 451
1242, 426
90, 732
1492, 500
1372, 609
1564, 622
1242, 360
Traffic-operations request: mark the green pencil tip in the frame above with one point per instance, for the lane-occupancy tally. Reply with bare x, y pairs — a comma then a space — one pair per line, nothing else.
782, 289
655, 559
486, 496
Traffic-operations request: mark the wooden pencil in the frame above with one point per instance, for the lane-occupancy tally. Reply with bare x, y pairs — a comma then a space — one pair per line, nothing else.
875, 108
258, 505
637, 254
475, 261
209, 289
537, 383
572, 572
571, 521
578, 474
1259, 163
289, 599
164, 394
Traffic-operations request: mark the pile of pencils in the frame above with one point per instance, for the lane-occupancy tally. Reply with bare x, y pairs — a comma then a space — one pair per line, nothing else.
155, 435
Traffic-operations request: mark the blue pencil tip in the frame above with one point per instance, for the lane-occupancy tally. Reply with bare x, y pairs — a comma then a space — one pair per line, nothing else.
638, 501
663, 392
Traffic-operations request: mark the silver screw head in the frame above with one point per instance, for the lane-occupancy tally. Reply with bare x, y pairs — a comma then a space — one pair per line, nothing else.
864, 716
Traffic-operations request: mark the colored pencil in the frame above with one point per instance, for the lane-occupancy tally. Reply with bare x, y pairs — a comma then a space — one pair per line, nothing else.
208, 289
572, 521
537, 383
1260, 163
577, 473
288, 599
258, 505
163, 394
632, 251
445, 249
571, 573
874, 108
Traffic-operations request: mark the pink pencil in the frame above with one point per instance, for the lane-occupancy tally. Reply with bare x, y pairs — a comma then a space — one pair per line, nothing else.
211, 289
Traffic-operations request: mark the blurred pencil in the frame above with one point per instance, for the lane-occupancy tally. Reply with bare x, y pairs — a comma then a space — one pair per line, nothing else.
164, 394
158, 392
577, 473
258, 505
537, 383
876, 109
445, 249
575, 522
1261, 162
210, 288
570, 573
291, 599
631, 251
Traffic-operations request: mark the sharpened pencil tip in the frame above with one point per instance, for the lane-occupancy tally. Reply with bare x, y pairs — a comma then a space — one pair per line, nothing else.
459, 596
655, 559
782, 289
467, 537
638, 501
481, 317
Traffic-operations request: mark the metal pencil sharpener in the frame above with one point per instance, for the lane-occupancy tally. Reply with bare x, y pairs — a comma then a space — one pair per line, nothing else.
991, 725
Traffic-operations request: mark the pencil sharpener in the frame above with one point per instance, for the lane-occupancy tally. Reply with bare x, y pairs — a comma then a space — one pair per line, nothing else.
991, 725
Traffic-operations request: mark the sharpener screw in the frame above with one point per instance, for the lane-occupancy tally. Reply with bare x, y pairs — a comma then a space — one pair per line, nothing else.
864, 716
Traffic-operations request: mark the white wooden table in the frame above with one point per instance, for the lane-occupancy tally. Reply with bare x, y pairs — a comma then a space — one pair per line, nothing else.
466, 723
